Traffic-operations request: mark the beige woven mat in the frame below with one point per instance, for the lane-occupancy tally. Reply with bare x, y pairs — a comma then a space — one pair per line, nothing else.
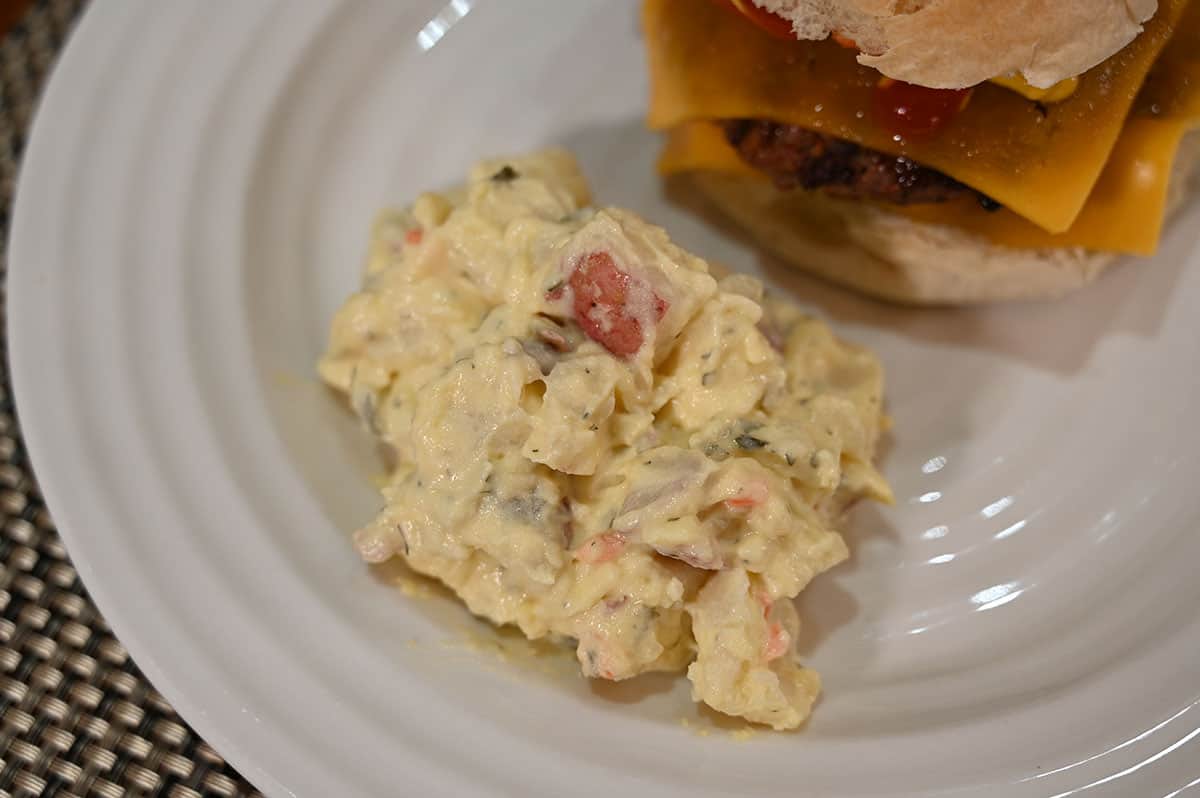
77, 718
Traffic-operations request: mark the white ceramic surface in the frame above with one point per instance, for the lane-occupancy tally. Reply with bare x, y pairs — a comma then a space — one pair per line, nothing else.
195, 204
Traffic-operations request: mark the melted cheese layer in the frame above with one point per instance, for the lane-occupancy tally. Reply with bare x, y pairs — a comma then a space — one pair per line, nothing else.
1124, 211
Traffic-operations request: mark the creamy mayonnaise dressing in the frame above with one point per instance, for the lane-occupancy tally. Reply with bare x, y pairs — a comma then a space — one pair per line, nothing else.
597, 438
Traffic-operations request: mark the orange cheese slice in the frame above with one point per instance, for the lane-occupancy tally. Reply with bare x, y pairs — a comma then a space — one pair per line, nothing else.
1124, 214
1127, 207
1039, 161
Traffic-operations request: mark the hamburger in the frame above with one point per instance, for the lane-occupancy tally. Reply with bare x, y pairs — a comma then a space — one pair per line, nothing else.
933, 151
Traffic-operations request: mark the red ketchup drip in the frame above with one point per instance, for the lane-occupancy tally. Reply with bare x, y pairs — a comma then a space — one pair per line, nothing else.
913, 111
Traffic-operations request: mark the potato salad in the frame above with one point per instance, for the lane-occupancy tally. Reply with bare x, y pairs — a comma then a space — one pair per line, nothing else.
597, 438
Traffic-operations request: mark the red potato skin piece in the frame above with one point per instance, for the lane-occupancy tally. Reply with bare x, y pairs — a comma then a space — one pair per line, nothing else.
603, 300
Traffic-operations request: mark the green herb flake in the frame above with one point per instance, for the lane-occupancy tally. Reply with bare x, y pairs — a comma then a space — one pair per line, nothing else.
749, 442
506, 175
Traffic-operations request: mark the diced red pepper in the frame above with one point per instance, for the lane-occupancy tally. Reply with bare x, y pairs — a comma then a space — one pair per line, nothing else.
604, 547
777, 643
764, 601
749, 497
413, 236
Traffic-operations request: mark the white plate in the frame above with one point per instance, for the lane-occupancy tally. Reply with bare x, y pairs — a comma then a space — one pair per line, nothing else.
195, 204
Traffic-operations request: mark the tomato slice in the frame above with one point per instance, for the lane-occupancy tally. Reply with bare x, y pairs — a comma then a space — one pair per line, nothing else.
903, 109
913, 111
769, 21
843, 40
610, 305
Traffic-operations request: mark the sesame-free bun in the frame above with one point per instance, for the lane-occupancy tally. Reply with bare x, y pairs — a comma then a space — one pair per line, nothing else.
951, 44
887, 255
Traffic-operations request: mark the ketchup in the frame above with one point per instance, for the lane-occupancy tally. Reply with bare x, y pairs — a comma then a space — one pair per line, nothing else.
915, 111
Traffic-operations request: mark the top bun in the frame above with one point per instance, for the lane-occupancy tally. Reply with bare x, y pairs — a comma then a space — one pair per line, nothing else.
952, 44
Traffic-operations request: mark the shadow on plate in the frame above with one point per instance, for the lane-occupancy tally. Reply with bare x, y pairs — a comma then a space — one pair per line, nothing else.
636, 690
826, 606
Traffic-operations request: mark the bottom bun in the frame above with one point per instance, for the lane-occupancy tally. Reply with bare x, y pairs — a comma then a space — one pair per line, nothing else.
889, 256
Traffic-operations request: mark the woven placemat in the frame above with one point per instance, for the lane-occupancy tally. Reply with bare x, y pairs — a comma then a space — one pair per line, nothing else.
77, 718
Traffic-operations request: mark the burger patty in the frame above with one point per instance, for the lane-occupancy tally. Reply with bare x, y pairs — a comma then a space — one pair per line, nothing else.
795, 157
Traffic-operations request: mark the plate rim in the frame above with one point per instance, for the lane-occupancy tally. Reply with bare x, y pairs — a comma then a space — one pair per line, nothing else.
85, 45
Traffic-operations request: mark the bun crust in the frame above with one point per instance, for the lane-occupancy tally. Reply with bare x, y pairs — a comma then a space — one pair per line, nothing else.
889, 256
951, 44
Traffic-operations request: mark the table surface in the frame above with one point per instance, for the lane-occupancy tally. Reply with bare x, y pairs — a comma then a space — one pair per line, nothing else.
77, 717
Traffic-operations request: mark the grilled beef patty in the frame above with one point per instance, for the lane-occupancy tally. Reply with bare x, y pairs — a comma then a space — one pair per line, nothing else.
795, 157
